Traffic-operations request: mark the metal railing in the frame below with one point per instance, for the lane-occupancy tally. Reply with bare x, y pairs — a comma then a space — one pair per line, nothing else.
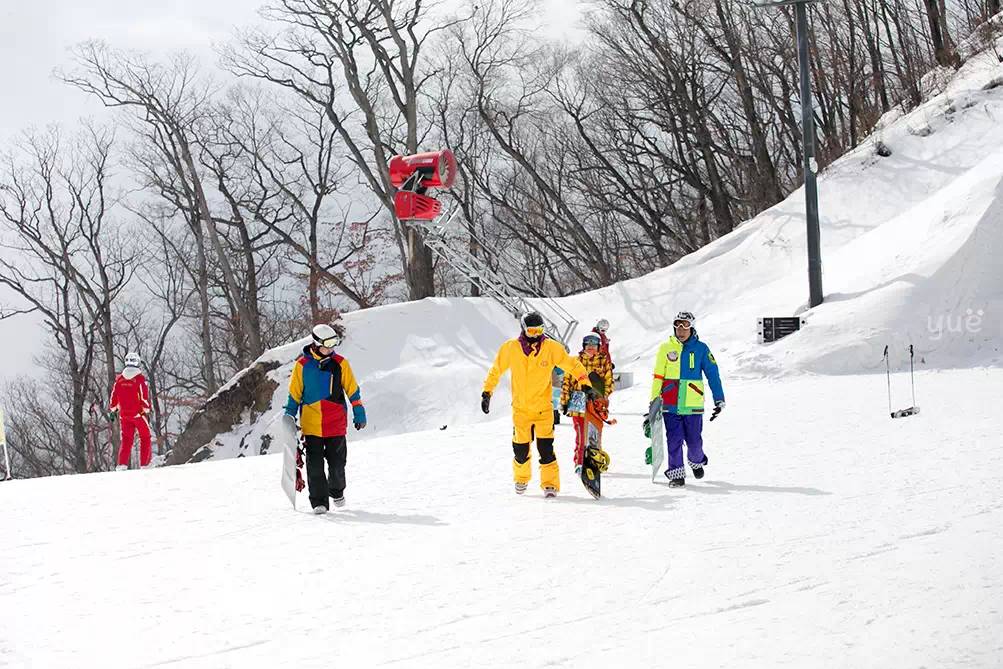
559, 322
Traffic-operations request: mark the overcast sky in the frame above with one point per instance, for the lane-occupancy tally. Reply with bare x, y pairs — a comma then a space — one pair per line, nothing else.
35, 38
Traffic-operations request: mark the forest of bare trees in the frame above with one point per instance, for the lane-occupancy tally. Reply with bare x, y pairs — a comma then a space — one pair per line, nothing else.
226, 206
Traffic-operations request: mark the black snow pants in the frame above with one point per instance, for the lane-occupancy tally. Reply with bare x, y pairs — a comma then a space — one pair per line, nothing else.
335, 451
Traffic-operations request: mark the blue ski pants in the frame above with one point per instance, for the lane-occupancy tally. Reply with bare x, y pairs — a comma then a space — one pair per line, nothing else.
677, 430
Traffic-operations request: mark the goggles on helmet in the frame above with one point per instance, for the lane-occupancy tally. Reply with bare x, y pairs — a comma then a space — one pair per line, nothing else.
534, 330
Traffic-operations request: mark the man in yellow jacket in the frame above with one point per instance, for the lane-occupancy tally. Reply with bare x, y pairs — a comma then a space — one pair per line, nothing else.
531, 357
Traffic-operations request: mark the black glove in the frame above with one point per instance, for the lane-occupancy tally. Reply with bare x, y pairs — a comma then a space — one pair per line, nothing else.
564, 408
590, 393
718, 405
647, 430
486, 402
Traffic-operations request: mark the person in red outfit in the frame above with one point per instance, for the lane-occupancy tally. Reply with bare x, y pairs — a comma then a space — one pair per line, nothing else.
130, 397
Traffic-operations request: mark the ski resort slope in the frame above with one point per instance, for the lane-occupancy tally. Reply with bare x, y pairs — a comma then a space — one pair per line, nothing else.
911, 248
824, 535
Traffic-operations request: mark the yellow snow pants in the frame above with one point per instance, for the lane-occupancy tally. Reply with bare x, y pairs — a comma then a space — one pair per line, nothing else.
538, 425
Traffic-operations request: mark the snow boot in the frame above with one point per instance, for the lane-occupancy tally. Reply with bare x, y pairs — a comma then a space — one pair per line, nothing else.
698, 471
338, 501
320, 510
122, 468
550, 491
520, 487
677, 483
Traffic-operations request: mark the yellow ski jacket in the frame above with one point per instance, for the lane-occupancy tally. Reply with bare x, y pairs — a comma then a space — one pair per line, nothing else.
531, 389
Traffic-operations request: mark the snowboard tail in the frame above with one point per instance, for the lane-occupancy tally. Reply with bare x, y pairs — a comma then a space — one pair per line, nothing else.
292, 461
657, 438
595, 460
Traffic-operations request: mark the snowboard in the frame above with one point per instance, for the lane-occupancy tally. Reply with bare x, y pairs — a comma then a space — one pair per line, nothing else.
292, 479
657, 438
594, 460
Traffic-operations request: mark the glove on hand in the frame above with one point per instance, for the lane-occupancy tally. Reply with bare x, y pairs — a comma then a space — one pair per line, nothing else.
486, 402
359, 416
717, 409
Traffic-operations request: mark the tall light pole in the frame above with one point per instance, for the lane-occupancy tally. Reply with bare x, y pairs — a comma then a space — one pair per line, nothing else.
808, 140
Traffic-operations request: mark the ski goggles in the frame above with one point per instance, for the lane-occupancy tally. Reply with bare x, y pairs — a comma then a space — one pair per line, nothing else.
534, 330
591, 341
330, 342
686, 325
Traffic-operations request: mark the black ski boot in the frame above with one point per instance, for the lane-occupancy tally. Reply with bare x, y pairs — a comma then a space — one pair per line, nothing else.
698, 471
677, 483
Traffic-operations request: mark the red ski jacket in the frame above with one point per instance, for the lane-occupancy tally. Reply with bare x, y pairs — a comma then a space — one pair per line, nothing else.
130, 396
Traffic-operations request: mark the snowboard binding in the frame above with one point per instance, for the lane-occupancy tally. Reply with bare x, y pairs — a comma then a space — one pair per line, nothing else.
599, 458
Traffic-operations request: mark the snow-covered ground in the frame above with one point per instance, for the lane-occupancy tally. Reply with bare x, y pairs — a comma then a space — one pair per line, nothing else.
824, 535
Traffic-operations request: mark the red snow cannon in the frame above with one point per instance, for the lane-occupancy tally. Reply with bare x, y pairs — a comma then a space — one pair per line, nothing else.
409, 205
413, 176
435, 169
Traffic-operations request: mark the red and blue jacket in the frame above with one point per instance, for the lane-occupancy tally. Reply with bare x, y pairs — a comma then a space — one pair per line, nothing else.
317, 390
678, 376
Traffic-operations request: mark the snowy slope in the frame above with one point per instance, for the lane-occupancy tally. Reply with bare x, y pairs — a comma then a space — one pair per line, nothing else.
825, 536
911, 246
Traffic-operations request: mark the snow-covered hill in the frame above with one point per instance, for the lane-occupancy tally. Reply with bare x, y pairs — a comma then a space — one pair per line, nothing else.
824, 535
911, 245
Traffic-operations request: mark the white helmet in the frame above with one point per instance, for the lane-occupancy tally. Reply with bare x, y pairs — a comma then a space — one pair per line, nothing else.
602, 325
325, 335
685, 316
132, 359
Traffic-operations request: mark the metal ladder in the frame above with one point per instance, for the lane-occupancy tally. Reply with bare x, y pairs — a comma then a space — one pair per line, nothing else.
559, 323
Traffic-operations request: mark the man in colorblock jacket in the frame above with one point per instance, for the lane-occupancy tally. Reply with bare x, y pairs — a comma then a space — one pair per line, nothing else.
320, 383
680, 365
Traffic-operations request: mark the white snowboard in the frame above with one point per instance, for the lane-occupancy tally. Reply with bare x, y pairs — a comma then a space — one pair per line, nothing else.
287, 436
657, 438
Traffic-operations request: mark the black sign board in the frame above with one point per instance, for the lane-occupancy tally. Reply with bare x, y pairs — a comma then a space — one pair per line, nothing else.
778, 327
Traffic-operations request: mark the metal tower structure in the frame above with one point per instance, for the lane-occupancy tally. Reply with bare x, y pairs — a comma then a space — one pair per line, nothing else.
560, 324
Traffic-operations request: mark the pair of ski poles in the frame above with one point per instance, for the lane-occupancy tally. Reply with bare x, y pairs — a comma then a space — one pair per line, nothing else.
913, 410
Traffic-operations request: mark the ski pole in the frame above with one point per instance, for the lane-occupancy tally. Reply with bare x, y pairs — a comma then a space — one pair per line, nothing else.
912, 380
6, 457
888, 375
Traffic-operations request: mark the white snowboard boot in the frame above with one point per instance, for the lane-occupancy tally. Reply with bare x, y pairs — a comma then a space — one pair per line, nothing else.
338, 501
122, 468
320, 510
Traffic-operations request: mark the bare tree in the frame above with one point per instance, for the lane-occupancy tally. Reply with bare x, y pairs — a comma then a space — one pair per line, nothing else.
369, 57
172, 103
66, 267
